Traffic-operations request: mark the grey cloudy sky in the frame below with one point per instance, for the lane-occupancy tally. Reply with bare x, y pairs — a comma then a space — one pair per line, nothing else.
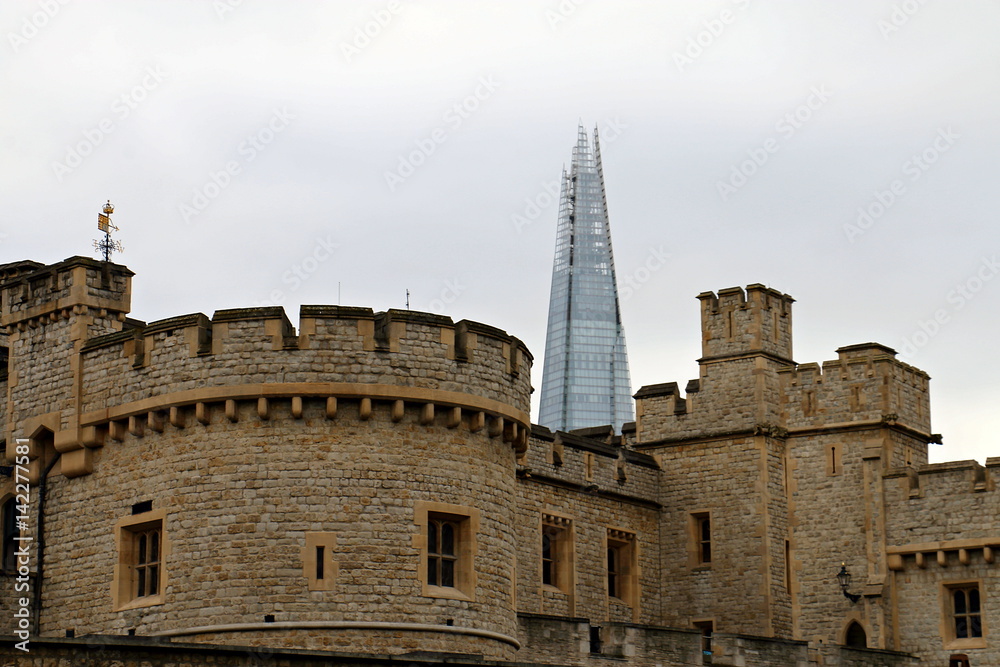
264, 153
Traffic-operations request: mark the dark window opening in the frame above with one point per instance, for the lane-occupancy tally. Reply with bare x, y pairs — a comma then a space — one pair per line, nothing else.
442, 556
8, 519
706, 628
143, 507
967, 614
596, 646
703, 528
147, 562
614, 572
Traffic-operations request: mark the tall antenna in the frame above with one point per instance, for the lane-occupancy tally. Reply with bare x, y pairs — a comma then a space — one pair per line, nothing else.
407, 299
106, 245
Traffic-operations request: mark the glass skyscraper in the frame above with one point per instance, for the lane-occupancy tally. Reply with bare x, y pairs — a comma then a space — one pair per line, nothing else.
585, 380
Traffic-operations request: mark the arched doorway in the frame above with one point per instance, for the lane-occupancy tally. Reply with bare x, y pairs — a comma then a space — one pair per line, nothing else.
856, 637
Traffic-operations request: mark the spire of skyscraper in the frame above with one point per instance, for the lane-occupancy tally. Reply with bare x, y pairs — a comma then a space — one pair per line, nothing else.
585, 380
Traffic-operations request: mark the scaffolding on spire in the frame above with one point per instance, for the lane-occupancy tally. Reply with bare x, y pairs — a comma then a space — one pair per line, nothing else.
585, 379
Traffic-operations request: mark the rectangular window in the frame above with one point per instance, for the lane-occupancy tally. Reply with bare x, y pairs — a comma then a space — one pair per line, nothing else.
147, 562
622, 566
614, 570
557, 552
140, 575
706, 627
319, 566
967, 612
8, 520
704, 539
701, 534
963, 607
447, 540
788, 567
596, 645
442, 536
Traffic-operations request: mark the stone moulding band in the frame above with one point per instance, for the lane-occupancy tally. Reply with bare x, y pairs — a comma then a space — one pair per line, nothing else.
382, 392
339, 625
137, 417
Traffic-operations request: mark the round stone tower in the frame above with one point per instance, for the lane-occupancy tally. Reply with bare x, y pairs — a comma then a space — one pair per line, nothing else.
230, 481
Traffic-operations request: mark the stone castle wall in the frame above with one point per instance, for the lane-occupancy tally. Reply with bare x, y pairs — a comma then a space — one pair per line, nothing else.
596, 487
943, 533
249, 440
253, 439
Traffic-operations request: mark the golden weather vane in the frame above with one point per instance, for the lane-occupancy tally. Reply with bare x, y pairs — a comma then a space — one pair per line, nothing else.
106, 245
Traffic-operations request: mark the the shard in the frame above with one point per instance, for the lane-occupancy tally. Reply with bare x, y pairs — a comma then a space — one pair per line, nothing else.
585, 381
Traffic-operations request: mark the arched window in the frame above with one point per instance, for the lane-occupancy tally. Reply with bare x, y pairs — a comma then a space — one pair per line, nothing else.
855, 637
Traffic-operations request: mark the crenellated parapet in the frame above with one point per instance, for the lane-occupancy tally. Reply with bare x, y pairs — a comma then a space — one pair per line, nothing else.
35, 294
334, 344
866, 383
737, 322
943, 514
180, 370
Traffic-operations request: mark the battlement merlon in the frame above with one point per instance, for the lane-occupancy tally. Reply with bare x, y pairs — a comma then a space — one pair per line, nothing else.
737, 322
859, 361
940, 513
33, 291
865, 382
334, 343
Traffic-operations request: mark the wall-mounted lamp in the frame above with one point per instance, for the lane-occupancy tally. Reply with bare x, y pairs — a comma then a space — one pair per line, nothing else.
844, 579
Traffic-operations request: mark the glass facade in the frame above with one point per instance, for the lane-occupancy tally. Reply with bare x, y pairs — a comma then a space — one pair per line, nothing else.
585, 379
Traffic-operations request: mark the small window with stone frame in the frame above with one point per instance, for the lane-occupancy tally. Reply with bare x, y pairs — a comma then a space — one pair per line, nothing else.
963, 606
140, 575
707, 627
448, 539
701, 539
622, 566
557, 552
442, 550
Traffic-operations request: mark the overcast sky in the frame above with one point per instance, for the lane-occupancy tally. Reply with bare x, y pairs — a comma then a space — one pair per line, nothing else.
259, 153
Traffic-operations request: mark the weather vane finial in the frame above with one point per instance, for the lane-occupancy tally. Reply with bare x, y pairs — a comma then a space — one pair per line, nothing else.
106, 245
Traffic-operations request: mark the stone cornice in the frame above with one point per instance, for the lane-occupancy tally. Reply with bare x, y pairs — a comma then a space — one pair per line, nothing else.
305, 389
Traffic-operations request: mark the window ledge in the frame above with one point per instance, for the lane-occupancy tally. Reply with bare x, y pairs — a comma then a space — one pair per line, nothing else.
975, 642
445, 592
138, 603
555, 590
